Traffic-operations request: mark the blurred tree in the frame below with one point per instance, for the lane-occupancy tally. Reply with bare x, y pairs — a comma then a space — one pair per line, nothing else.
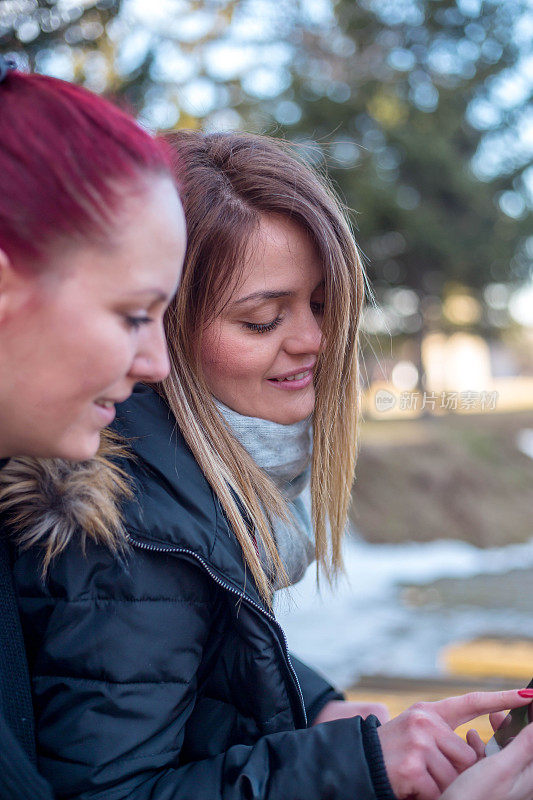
410, 103
415, 106
178, 63
53, 37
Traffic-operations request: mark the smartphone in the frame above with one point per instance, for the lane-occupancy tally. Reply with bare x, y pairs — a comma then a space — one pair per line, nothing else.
514, 722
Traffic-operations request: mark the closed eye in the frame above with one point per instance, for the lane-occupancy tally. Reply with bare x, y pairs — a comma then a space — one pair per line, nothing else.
138, 322
260, 327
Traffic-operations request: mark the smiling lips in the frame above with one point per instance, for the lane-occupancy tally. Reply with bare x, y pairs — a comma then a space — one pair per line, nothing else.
106, 408
297, 377
110, 402
105, 403
295, 380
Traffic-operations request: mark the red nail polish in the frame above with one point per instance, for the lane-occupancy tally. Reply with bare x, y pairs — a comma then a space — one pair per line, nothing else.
526, 692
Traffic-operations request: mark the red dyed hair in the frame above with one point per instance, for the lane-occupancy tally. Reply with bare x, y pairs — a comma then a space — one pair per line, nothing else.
65, 157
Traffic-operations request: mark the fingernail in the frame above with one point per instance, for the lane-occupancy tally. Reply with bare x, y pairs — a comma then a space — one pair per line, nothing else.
526, 692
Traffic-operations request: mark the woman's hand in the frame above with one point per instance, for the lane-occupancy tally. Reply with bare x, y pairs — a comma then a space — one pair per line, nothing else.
341, 709
423, 755
508, 775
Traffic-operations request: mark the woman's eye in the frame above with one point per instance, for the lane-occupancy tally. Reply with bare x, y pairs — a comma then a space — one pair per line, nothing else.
262, 327
317, 308
138, 322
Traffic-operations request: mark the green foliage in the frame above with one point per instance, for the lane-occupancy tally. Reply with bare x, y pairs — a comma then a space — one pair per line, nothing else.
144, 57
400, 100
37, 30
390, 99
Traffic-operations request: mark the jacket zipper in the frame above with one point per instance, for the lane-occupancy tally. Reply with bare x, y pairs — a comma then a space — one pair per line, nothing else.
232, 590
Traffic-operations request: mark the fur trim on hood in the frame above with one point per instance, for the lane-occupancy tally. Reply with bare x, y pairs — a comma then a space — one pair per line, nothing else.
46, 502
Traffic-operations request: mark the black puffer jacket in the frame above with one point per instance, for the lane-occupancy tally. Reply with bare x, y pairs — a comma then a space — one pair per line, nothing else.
163, 676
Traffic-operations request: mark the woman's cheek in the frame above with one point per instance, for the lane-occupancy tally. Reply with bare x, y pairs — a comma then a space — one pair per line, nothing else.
114, 354
235, 361
253, 362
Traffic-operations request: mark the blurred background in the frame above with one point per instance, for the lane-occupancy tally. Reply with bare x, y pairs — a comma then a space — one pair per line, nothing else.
420, 112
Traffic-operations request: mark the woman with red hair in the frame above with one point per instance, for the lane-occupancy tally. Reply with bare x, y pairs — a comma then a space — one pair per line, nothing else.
92, 238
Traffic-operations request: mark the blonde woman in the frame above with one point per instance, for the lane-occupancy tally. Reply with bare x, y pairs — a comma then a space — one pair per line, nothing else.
159, 670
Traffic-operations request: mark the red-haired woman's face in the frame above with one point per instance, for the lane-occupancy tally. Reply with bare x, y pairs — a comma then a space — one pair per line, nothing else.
74, 341
259, 353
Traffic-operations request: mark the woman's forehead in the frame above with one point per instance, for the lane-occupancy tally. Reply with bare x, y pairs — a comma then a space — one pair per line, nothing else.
281, 256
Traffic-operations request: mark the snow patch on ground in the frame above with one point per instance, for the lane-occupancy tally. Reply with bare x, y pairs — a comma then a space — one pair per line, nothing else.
363, 627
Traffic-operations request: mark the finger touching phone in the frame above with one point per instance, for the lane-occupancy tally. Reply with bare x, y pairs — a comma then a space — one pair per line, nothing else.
514, 722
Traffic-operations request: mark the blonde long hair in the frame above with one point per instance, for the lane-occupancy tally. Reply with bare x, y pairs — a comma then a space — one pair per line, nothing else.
228, 180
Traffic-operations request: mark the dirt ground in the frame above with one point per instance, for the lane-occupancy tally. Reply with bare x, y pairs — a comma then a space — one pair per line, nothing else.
459, 477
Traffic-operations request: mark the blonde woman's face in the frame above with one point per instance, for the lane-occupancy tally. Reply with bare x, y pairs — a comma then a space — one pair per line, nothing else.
259, 354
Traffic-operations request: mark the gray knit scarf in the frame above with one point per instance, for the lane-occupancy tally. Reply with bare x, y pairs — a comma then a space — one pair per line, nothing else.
284, 453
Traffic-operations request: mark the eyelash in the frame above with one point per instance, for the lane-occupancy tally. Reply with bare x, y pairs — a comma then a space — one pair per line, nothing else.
138, 322
258, 327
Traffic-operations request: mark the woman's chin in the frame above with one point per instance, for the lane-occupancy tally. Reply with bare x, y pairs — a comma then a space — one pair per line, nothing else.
76, 448
291, 419
285, 408
293, 413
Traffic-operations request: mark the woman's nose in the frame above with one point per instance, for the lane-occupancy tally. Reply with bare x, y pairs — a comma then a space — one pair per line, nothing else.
305, 335
151, 362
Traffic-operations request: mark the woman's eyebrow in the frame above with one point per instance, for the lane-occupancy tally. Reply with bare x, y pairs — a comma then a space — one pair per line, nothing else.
155, 294
263, 296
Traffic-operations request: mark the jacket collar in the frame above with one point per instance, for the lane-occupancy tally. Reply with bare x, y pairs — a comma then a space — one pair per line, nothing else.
175, 506
47, 501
